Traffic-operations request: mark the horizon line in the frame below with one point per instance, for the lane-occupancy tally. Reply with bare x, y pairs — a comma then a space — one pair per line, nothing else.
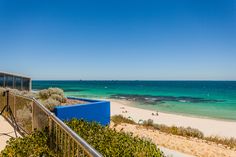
122, 80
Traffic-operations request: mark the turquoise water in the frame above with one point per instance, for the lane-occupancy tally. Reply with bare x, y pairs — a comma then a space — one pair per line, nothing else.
212, 99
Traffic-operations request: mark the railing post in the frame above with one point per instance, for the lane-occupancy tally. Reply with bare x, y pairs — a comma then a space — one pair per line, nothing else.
50, 131
14, 106
33, 110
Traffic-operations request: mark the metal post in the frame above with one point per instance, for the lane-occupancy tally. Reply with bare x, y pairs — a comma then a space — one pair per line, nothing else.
14, 106
21, 83
30, 84
13, 81
33, 118
50, 131
4, 80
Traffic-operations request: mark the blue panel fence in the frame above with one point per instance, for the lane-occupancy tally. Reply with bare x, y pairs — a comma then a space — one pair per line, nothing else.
94, 110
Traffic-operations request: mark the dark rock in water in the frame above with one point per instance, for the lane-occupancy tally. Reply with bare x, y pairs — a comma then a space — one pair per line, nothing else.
153, 100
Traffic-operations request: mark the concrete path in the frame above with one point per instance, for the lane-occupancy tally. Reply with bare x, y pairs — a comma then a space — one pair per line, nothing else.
173, 153
6, 132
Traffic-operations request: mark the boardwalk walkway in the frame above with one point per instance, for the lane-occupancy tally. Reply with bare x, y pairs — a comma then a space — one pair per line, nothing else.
6, 132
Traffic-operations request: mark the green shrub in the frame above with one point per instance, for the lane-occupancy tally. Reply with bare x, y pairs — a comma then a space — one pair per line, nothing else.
111, 143
118, 119
33, 145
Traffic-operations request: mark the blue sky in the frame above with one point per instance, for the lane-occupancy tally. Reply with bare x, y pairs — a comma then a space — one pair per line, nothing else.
121, 40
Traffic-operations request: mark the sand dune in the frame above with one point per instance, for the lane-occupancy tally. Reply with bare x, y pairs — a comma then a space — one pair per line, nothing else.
190, 146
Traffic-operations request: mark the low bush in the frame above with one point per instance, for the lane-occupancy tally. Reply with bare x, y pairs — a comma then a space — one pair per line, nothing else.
51, 97
111, 143
33, 145
230, 142
118, 119
148, 122
53, 93
42, 94
50, 103
17, 92
181, 131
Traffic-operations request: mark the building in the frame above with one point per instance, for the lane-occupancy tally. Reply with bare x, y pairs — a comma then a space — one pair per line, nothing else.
15, 81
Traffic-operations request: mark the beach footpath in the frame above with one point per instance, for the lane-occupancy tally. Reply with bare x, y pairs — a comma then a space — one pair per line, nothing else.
6, 132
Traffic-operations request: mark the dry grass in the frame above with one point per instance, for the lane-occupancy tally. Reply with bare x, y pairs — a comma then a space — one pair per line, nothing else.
118, 119
230, 142
180, 131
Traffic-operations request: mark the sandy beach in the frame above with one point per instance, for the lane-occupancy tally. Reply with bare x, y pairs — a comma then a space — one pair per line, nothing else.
207, 126
188, 146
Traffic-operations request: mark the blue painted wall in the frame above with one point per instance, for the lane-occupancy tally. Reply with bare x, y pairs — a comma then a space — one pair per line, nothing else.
98, 111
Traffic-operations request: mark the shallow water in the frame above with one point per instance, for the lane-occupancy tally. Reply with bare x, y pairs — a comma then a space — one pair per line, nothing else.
213, 99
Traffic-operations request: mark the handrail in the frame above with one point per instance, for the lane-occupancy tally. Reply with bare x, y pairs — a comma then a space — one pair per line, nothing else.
42, 106
52, 119
88, 148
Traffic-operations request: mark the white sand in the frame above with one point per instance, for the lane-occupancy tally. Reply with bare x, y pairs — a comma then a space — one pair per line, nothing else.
207, 126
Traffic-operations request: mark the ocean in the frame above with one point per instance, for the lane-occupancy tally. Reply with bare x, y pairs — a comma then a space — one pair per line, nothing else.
210, 99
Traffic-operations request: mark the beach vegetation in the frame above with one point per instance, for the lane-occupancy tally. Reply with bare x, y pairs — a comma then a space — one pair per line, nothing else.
182, 131
110, 143
50, 103
51, 97
118, 119
148, 122
54, 93
33, 145
230, 142
17, 92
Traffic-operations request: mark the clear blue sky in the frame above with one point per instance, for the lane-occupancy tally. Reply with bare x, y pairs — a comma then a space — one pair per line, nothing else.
119, 39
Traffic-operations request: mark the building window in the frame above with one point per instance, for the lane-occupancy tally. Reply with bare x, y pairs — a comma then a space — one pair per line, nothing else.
18, 83
1, 80
9, 81
26, 84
